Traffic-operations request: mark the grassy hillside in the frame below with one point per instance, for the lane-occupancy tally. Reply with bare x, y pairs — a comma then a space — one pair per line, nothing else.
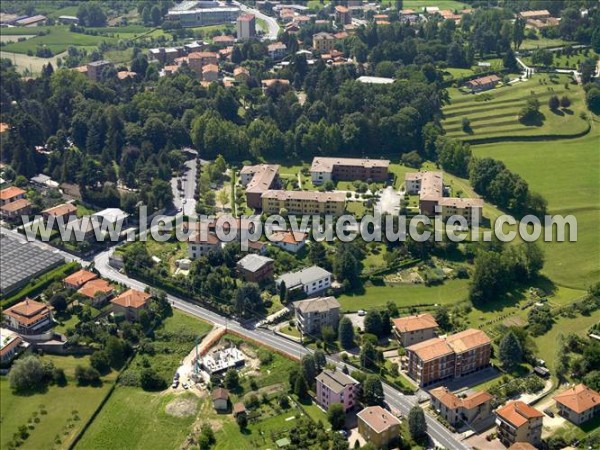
494, 114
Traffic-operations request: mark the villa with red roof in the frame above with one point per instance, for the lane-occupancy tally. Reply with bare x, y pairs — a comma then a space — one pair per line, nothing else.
472, 408
130, 303
578, 404
519, 422
28, 317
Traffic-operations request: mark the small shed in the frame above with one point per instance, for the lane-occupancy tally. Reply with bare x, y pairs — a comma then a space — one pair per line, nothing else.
220, 398
238, 409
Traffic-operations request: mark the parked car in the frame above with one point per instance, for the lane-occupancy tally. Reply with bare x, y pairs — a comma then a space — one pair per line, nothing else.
185, 386
175, 384
549, 412
362, 312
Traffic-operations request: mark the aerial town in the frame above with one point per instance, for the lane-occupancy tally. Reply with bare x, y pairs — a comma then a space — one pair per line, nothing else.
313, 225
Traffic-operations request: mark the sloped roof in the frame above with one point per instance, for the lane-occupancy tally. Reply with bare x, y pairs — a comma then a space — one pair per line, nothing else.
518, 413
131, 298
377, 418
80, 277
319, 304
579, 398
414, 323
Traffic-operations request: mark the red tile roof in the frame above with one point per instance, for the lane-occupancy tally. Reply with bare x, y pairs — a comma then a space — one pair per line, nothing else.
131, 299
579, 398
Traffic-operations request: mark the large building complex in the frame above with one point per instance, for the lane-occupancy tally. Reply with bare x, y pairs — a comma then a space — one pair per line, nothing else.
315, 313
519, 422
451, 357
202, 13
348, 169
304, 202
430, 188
258, 180
334, 386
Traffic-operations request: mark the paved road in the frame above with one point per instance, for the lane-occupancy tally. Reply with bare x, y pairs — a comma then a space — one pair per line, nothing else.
184, 199
273, 31
402, 403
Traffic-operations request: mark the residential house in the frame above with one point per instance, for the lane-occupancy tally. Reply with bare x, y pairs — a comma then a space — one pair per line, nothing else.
78, 279
200, 244
378, 426
223, 41
535, 14
131, 303
313, 314
256, 268
10, 344
578, 404
311, 280
323, 42
519, 422
210, 73
483, 83
343, 15
411, 330
348, 169
334, 386
197, 60
65, 212
28, 317
95, 69
274, 84
111, 217
98, 291
11, 194
220, 398
454, 409
246, 27
16, 209
303, 202
276, 50
289, 240
453, 356
239, 409
241, 74
67, 20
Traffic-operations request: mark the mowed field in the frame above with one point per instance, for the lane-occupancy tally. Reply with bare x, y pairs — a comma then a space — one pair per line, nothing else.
566, 173
494, 113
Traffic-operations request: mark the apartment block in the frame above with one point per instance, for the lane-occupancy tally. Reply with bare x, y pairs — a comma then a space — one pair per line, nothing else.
315, 313
304, 202
348, 169
324, 42
378, 426
258, 180
411, 330
454, 356
311, 280
519, 422
246, 27
334, 386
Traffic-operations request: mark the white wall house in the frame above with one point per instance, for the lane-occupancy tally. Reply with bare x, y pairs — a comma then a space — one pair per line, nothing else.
311, 280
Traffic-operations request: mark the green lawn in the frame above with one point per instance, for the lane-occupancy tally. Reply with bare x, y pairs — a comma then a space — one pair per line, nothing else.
404, 295
566, 173
418, 5
494, 114
135, 419
58, 39
58, 402
543, 42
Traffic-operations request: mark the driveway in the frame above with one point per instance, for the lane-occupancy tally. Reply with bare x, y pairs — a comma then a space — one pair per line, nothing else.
357, 321
184, 199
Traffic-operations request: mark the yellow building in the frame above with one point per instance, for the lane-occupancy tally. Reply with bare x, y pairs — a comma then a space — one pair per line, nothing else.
378, 426
303, 202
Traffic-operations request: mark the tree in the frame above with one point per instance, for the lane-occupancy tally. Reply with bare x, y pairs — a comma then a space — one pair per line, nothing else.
309, 367
373, 323
373, 391
510, 351
443, 318
592, 98
346, 333
510, 61
416, 423
247, 300
86, 375
207, 437
232, 379
99, 361
490, 277
553, 103
336, 416
242, 421
318, 255
27, 374
115, 351
328, 335
58, 302
565, 102
150, 380
368, 356
320, 359
300, 387
346, 269
156, 15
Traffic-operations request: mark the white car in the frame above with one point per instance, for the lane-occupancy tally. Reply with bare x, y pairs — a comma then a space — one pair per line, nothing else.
185, 386
362, 312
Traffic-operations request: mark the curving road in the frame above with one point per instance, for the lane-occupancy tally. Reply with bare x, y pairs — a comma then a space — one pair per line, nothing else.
396, 400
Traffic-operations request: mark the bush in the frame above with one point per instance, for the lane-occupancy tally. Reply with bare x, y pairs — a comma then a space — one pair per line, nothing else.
27, 374
150, 380
87, 376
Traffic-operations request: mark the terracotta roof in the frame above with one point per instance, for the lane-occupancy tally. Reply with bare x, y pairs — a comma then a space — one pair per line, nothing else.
518, 413
220, 394
90, 288
431, 349
61, 210
535, 13
320, 197
414, 323
377, 418
80, 277
17, 205
451, 401
209, 238
11, 192
3, 127
199, 55
28, 312
239, 407
210, 68
245, 17
131, 299
476, 399
522, 446
484, 80
123, 74
579, 398
461, 202
288, 237
467, 340
224, 39
273, 81
240, 70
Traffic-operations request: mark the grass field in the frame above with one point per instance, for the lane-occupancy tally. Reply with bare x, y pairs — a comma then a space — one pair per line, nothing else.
542, 42
135, 419
418, 5
566, 173
59, 402
494, 114
31, 63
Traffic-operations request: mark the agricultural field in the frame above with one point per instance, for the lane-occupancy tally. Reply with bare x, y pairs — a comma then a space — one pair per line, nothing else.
54, 407
563, 61
31, 64
494, 114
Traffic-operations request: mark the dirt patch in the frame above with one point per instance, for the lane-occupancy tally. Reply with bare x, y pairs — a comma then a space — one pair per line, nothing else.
182, 407
514, 322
